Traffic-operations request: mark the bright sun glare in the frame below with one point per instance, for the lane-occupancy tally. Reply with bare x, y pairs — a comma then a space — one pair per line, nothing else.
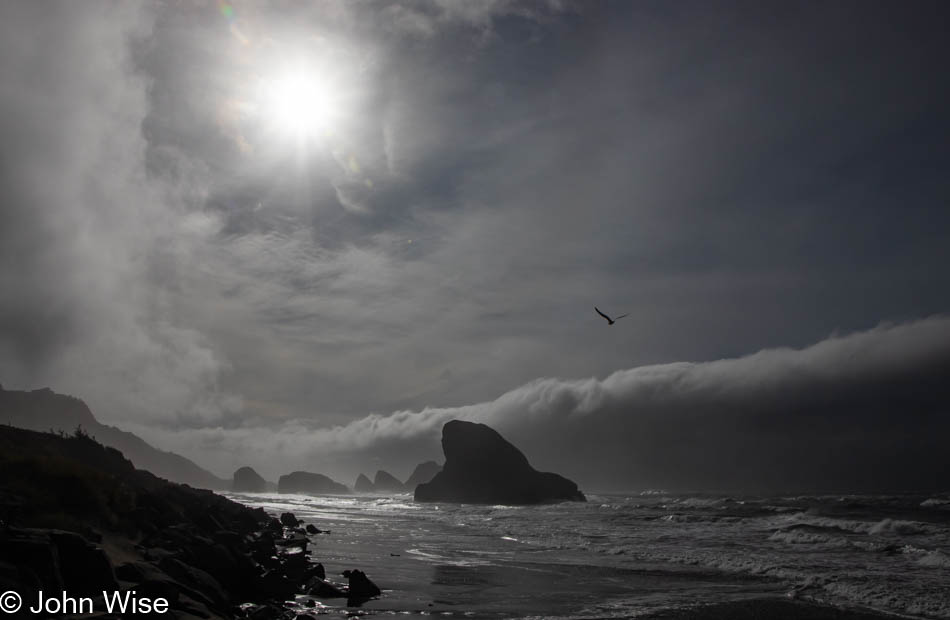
297, 103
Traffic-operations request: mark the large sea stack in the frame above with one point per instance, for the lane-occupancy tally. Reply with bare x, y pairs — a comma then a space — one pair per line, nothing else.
309, 483
481, 467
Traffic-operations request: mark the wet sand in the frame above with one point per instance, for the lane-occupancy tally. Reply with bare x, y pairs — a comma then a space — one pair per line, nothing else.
769, 609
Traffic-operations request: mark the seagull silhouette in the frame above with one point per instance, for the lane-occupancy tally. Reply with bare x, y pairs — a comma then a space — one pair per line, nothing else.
610, 321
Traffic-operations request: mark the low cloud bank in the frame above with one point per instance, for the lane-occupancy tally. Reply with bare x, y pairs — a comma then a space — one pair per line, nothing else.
861, 412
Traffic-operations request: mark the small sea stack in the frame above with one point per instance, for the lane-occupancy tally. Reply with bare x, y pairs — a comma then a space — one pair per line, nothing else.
363, 484
424, 472
309, 483
246, 480
385, 482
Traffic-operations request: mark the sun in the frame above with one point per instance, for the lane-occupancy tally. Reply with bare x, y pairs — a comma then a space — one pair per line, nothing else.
297, 103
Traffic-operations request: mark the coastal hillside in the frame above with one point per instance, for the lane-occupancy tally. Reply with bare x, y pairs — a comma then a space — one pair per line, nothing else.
77, 517
45, 410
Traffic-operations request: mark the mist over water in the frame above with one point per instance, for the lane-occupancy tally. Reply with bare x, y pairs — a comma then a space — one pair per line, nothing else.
627, 555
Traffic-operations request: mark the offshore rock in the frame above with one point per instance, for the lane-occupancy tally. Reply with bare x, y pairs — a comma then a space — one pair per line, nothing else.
246, 480
361, 587
481, 467
424, 472
386, 482
363, 485
310, 483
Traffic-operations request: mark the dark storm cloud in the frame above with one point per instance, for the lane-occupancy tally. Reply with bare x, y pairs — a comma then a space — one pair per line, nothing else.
737, 177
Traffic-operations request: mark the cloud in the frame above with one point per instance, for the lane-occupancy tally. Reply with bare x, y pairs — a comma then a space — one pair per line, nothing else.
90, 242
735, 180
865, 411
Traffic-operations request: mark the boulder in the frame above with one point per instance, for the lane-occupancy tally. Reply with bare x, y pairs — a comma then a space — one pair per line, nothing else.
385, 482
246, 480
310, 483
424, 472
322, 588
363, 485
360, 585
85, 567
481, 467
198, 580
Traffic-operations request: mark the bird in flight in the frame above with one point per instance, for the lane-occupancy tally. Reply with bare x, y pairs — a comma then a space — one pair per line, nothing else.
610, 321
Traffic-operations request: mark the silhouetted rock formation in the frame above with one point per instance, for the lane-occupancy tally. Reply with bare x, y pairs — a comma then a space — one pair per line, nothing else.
309, 483
187, 545
424, 472
62, 496
246, 480
387, 483
45, 410
481, 467
363, 484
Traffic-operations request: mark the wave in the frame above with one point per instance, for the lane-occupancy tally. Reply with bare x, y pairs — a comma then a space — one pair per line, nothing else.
803, 537
882, 527
930, 558
895, 526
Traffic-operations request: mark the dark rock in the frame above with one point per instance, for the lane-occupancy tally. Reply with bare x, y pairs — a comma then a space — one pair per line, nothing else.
312, 529
34, 555
137, 572
424, 472
324, 589
294, 539
363, 485
310, 483
265, 612
156, 554
196, 579
481, 467
316, 570
360, 585
227, 538
190, 607
288, 519
163, 587
295, 566
387, 483
84, 567
275, 585
246, 480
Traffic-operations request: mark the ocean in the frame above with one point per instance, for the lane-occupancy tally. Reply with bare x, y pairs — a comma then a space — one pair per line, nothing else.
629, 555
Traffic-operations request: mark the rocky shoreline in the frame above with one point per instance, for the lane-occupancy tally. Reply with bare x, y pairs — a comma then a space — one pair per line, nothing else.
77, 517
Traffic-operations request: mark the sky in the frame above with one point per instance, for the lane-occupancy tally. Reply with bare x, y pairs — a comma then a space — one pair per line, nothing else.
304, 235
